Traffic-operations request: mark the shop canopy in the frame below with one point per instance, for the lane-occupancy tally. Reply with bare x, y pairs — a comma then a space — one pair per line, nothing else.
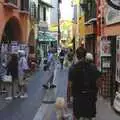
46, 37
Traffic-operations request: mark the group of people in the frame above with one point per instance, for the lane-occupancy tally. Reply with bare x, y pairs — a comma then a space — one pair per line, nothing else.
18, 68
83, 79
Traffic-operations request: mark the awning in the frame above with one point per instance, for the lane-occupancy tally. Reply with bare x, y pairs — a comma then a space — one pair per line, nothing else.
46, 36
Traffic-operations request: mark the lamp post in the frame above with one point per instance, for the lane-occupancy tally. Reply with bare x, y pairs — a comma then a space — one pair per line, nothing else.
59, 1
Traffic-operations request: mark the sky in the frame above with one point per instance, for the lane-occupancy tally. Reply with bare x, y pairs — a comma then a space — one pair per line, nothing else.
66, 10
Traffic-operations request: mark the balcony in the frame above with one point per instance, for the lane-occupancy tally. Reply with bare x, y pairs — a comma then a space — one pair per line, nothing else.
11, 4
24, 7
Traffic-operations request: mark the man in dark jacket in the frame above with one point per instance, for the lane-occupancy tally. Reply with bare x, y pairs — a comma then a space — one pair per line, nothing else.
82, 80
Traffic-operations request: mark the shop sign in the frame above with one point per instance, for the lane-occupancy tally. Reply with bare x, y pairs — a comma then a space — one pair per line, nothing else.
43, 26
118, 59
105, 47
111, 15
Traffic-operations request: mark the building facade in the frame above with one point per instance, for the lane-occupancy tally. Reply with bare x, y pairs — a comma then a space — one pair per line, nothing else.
54, 12
14, 27
14, 15
45, 39
108, 40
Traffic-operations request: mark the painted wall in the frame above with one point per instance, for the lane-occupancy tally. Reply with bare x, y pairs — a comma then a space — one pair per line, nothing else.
7, 13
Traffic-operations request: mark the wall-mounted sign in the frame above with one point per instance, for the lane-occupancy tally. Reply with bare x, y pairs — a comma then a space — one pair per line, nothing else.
43, 26
105, 47
118, 59
111, 15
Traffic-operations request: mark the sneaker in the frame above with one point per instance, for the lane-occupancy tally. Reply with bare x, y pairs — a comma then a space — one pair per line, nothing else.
8, 98
24, 96
53, 86
45, 86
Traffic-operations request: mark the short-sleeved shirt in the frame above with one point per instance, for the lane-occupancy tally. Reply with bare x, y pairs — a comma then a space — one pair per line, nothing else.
77, 76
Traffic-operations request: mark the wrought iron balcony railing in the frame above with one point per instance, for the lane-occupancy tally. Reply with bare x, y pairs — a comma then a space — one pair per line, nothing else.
11, 1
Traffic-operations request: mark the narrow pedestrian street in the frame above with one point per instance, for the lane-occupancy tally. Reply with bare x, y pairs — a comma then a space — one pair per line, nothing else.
40, 103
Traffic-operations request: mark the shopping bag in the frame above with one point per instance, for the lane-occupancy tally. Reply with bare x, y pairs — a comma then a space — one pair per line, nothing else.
7, 78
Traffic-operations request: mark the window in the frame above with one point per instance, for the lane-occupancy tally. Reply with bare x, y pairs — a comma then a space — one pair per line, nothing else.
41, 13
11, 1
33, 10
44, 13
25, 5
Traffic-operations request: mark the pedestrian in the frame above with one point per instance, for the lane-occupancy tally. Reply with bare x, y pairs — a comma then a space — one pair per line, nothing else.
61, 58
70, 57
50, 65
23, 70
12, 69
82, 82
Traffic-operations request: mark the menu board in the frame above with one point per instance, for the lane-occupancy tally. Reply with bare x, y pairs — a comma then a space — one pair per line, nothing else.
118, 59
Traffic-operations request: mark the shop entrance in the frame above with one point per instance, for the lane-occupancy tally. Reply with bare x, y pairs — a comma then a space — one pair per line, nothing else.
10, 39
12, 31
108, 67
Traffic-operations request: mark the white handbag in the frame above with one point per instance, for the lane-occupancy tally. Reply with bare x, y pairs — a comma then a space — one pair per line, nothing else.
7, 78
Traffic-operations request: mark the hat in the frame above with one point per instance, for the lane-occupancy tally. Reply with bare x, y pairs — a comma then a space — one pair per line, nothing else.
89, 56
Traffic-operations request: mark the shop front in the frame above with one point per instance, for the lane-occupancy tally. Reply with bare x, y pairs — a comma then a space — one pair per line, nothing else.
109, 46
108, 65
46, 41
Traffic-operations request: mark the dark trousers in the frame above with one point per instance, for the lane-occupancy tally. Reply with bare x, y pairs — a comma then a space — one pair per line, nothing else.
84, 105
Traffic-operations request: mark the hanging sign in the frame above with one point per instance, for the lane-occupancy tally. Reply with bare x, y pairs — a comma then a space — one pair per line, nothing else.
118, 59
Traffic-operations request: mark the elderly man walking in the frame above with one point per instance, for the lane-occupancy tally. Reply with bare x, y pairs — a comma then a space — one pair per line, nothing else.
82, 80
